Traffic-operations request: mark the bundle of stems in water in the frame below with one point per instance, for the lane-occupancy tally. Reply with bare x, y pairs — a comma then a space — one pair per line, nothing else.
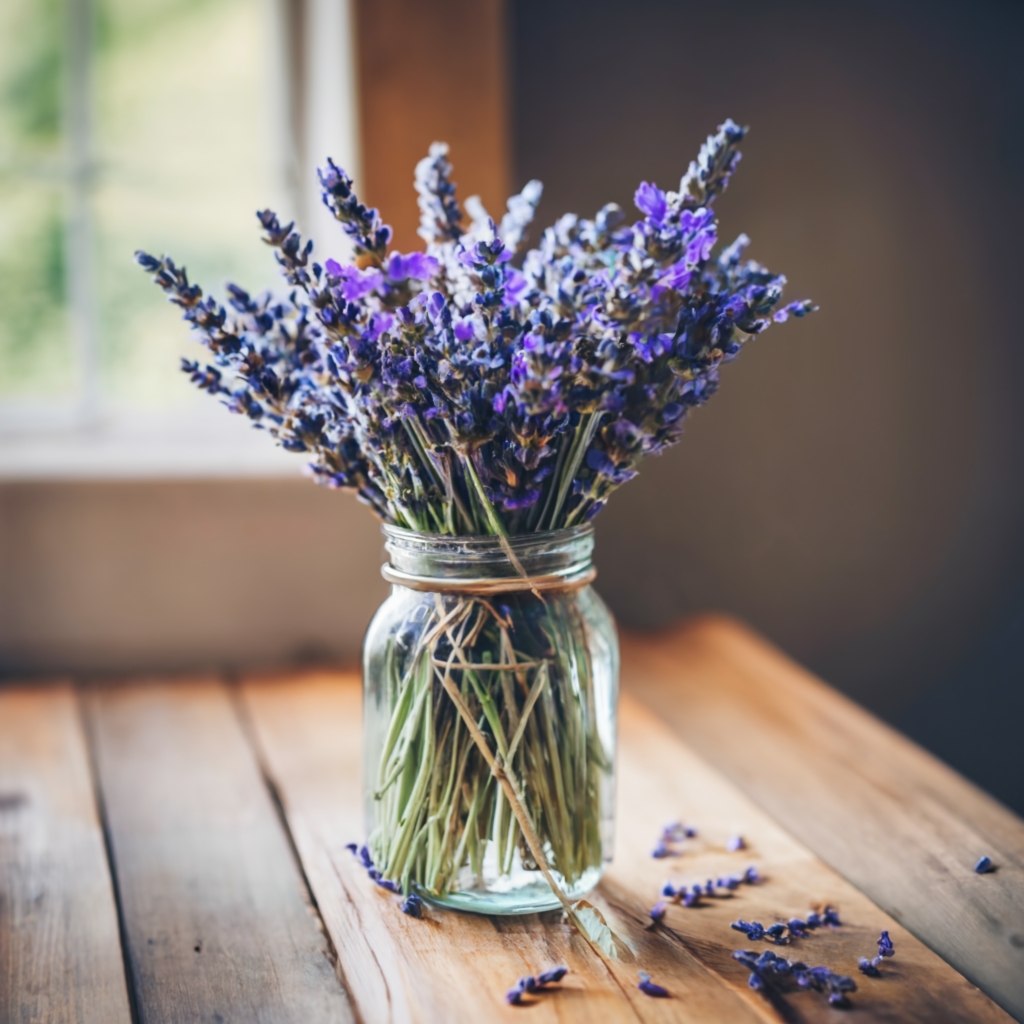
492, 748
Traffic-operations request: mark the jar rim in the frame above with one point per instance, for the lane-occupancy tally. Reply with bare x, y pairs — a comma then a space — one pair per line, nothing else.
550, 560
486, 541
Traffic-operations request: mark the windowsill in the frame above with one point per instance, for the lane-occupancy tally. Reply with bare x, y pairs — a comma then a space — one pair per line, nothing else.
187, 443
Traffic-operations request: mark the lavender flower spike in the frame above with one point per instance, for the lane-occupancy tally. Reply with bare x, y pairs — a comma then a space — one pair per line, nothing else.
649, 988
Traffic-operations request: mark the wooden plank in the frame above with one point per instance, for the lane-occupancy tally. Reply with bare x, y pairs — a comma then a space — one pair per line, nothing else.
456, 967
216, 917
60, 954
432, 73
900, 825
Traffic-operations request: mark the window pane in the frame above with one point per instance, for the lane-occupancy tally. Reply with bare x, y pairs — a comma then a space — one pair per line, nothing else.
186, 160
35, 353
36, 359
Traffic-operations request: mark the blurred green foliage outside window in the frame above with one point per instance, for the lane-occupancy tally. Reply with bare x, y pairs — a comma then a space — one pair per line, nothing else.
124, 124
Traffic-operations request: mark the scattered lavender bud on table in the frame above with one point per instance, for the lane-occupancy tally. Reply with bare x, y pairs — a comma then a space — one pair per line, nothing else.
533, 984
830, 916
734, 843
797, 927
662, 850
677, 832
984, 865
750, 876
412, 905
649, 987
869, 967
752, 929
756, 982
885, 946
658, 911
669, 890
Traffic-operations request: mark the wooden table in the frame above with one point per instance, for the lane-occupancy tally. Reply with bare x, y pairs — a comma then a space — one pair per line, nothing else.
174, 850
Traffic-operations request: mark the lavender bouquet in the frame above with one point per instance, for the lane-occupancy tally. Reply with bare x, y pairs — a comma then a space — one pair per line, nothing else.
462, 391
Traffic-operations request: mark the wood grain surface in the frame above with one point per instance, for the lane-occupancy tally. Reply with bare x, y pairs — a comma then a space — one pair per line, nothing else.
904, 828
60, 955
217, 921
455, 967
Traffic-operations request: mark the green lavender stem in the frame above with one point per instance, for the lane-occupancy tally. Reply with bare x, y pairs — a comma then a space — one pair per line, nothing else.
522, 677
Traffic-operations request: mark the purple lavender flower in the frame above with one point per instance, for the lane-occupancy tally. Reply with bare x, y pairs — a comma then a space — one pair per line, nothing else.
869, 967
532, 984
885, 946
658, 911
752, 929
651, 202
649, 988
734, 843
412, 905
984, 865
510, 400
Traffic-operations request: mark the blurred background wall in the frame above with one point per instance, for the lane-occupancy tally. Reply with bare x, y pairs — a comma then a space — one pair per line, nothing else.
854, 492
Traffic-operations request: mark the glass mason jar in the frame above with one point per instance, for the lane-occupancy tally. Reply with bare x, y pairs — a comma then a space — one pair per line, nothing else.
490, 698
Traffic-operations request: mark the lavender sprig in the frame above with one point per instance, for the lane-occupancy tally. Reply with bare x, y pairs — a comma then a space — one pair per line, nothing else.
769, 969
456, 393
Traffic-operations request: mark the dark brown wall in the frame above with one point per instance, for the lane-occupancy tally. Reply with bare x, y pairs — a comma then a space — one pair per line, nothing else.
855, 490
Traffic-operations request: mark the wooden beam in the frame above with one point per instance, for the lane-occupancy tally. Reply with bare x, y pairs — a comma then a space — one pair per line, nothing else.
904, 828
60, 955
431, 72
216, 916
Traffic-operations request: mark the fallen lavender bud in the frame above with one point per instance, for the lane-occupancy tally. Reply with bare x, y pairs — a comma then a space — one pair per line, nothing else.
677, 832
752, 929
550, 976
658, 911
662, 850
830, 916
869, 967
649, 988
984, 865
690, 899
756, 982
750, 876
797, 927
386, 883
777, 934
412, 905
731, 883
352, 848
532, 984
364, 856
669, 890
813, 920
734, 843
885, 946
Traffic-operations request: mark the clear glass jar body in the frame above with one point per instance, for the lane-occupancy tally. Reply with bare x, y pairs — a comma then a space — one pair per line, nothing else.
463, 654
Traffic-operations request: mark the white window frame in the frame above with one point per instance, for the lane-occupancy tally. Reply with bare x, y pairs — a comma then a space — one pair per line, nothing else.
313, 108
